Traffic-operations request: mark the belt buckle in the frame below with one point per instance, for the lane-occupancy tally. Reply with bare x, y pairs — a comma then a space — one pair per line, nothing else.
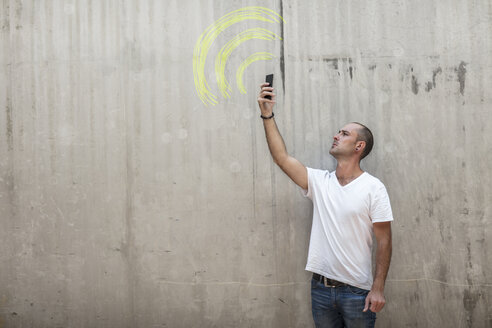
326, 283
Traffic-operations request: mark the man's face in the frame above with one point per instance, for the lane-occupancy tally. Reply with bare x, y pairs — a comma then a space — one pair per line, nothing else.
345, 142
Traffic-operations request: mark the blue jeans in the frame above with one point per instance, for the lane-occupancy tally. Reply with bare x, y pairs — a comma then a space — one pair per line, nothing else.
340, 306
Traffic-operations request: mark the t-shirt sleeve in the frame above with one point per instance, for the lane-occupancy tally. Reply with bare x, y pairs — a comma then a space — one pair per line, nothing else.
315, 177
380, 206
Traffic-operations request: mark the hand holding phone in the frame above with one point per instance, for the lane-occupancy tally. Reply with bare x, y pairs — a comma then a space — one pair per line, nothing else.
269, 80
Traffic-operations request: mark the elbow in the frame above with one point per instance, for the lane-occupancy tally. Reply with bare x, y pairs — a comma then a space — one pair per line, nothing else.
385, 244
280, 160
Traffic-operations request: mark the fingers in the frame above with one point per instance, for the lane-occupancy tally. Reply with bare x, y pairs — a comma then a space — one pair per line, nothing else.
263, 94
266, 91
373, 304
377, 306
264, 100
367, 305
265, 86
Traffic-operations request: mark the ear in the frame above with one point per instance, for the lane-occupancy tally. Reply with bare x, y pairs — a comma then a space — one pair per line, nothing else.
360, 145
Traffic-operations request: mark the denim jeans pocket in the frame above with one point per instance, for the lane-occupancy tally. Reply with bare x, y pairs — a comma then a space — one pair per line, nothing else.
314, 284
358, 291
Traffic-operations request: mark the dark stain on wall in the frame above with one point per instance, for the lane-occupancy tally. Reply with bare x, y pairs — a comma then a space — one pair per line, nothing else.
443, 273
461, 72
430, 85
10, 138
470, 300
5, 26
441, 230
335, 64
416, 296
434, 74
471, 295
333, 61
415, 84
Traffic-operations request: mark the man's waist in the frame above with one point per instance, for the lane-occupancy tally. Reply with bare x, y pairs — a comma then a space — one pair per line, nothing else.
328, 282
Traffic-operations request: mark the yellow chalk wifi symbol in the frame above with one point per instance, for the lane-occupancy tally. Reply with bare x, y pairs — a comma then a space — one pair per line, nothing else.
205, 41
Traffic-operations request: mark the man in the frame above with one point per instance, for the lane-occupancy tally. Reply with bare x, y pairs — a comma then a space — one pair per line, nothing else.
349, 206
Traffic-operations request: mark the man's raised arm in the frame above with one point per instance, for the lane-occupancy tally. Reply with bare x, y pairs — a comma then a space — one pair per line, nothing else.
291, 166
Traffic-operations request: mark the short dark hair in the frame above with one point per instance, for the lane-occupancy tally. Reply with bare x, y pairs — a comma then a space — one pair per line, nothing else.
364, 134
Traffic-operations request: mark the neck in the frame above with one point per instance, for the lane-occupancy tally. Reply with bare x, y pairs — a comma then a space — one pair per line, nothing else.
348, 169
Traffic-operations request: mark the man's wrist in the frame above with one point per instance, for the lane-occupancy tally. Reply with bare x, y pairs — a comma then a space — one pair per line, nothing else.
267, 116
378, 286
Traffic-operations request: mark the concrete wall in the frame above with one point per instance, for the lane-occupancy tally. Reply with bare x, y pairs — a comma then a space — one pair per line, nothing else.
126, 202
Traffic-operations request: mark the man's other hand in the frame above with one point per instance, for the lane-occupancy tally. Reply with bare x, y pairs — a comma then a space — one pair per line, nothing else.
376, 301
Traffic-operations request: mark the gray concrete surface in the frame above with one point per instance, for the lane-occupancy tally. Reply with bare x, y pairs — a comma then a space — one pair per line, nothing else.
126, 202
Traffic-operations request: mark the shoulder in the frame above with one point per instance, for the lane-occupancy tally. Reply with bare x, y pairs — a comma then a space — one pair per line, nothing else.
318, 173
374, 183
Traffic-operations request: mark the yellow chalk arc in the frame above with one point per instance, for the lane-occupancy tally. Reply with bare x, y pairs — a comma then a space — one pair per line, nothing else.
251, 59
206, 39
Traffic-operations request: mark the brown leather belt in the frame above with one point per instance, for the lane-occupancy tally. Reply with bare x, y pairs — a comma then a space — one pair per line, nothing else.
328, 282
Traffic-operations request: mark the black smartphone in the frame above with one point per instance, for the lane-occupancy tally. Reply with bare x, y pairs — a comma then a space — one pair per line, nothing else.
269, 79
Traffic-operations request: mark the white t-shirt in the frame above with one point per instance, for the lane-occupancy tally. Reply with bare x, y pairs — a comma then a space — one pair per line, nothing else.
341, 234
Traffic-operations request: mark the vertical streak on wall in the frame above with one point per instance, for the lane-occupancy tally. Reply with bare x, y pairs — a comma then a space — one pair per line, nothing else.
8, 64
6, 162
254, 164
282, 59
129, 242
274, 218
9, 118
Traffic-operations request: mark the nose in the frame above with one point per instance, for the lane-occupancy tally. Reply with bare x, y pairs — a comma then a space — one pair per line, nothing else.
336, 137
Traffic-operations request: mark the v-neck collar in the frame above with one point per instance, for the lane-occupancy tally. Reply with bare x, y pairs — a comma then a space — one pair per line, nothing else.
350, 183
